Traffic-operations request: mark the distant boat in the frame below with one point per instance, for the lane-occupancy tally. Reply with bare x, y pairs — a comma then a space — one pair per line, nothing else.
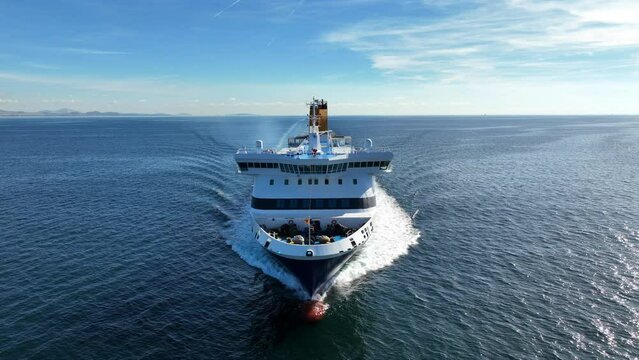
313, 203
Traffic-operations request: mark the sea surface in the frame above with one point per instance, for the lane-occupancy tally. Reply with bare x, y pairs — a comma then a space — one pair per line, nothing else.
499, 237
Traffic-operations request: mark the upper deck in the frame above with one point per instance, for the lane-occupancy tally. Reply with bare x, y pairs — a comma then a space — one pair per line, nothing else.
320, 151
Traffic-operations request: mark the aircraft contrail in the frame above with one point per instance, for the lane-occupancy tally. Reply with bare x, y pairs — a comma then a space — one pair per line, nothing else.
226, 8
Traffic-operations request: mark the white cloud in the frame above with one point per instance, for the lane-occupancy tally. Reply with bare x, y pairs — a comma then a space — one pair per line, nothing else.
70, 100
94, 51
41, 65
153, 85
499, 40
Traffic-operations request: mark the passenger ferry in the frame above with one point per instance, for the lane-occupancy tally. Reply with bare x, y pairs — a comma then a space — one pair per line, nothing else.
313, 202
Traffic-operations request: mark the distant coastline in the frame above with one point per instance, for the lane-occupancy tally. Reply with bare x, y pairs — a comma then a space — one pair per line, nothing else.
70, 112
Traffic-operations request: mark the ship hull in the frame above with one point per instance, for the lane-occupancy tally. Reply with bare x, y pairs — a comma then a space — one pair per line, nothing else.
316, 275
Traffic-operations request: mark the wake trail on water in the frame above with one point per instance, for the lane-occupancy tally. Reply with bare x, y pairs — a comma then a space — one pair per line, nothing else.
244, 244
394, 234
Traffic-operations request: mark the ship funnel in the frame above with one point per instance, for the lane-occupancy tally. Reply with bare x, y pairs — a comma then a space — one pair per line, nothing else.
319, 110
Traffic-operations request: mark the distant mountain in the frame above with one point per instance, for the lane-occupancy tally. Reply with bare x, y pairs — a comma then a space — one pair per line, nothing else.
70, 112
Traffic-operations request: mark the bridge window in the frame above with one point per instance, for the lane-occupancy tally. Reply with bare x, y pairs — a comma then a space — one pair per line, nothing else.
370, 163
384, 165
376, 164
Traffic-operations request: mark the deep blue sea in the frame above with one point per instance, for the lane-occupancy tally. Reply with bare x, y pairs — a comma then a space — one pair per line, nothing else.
502, 237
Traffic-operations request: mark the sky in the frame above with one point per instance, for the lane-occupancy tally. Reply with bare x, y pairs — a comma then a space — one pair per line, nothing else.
437, 57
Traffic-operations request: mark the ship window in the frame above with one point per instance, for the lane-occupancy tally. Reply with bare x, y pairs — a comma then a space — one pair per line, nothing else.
339, 181
249, 165
271, 182
324, 169
330, 169
310, 181
299, 181
354, 181
325, 181
343, 167
376, 164
350, 165
315, 181
357, 164
269, 165
285, 181
370, 163
243, 166
331, 203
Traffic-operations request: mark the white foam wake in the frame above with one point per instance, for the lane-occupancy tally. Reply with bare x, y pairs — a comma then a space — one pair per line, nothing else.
243, 243
394, 235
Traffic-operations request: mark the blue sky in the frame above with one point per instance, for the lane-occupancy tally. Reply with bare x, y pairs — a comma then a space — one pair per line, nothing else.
365, 57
